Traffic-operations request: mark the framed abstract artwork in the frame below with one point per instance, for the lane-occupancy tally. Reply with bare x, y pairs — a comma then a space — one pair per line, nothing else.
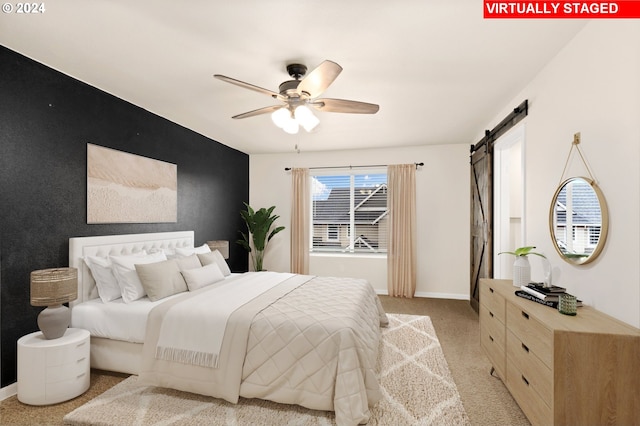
128, 188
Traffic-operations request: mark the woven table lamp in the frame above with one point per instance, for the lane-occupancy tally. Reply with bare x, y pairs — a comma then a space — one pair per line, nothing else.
52, 288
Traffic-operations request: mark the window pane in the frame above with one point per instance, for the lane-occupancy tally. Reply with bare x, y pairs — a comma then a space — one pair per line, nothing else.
578, 218
350, 213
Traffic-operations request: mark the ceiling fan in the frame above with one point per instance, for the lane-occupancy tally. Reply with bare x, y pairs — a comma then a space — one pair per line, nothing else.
301, 93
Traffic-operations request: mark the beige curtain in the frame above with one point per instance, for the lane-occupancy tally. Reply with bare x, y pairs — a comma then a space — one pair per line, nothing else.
401, 252
300, 205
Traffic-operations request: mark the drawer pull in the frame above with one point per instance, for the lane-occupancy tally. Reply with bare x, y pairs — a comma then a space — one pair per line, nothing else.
83, 374
490, 289
80, 344
81, 359
524, 379
524, 314
525, 347
491, 314
491, 338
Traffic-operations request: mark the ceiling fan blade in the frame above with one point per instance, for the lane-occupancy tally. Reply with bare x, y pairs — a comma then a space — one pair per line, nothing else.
259, 111
247, 86
343, 105
317, 81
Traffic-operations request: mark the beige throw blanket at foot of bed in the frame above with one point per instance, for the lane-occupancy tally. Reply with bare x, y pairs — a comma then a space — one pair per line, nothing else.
185, 325
311, 342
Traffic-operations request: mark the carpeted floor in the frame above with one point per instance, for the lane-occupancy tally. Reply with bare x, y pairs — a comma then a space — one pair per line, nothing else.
485, 398
416, 385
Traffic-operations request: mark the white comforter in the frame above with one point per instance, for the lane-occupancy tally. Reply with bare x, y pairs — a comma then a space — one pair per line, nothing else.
309, 341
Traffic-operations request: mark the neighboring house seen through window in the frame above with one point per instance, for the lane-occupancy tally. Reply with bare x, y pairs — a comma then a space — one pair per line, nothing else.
349, 212
579, 231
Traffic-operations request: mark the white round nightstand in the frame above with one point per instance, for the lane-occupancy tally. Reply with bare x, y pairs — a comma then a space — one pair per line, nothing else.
52, 371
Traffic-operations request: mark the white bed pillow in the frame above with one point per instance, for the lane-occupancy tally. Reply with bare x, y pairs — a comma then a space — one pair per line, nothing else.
188, 262
125, 272
161, 279
203, 276
102, 272
217, 258
169, 252
192, 250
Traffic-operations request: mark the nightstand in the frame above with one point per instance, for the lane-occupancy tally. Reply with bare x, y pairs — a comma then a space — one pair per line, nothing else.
52, 371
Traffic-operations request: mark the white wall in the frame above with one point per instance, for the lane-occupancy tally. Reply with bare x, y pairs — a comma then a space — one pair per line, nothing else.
591, 87
442, 208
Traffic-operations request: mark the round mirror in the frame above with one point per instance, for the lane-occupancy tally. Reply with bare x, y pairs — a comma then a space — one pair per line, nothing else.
578, 220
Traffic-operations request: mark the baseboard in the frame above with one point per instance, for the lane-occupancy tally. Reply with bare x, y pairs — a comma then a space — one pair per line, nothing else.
8, 391
453, 296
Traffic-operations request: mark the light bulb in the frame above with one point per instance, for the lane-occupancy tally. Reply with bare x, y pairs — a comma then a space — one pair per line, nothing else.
306, 118
280, 117
291, 126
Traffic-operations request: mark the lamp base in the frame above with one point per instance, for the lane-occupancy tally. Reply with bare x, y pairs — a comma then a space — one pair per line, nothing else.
54, 321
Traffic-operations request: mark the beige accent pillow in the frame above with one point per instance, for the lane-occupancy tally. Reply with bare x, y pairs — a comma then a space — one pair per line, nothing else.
217, 258
202, 277
161, 279
188, 262
125, 272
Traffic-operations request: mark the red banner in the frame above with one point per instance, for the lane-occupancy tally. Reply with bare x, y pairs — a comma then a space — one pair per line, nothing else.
561, 9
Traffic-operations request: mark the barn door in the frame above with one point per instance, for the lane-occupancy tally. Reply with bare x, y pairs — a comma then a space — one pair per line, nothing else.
482, 201
481, 219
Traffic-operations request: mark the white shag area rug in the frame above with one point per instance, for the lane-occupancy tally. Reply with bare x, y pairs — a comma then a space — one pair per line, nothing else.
416, 383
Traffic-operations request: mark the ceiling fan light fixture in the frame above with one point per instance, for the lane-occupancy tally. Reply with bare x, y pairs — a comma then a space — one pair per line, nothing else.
305, 117
280, 117
303, 90
291, 127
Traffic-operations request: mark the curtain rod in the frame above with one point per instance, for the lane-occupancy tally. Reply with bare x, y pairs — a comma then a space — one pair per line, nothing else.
286, 169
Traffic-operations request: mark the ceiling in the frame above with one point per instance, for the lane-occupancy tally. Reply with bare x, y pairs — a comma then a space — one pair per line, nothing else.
438, 70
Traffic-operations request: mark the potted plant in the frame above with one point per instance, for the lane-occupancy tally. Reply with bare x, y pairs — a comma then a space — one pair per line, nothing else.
259, 223
521, 266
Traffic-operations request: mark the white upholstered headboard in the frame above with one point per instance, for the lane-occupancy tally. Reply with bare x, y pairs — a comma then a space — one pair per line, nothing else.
106, 245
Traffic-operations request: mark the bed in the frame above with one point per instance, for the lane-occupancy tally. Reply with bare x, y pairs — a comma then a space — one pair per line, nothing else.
293, 339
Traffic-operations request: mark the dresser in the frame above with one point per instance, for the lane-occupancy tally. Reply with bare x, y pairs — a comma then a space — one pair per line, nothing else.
52, 371
560, 369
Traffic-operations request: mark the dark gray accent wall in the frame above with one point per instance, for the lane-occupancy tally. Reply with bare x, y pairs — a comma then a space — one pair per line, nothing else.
46, 121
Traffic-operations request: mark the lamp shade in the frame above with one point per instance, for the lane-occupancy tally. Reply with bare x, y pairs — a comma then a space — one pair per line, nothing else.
221, 245
280, 117
305, 117
284, 119
54, 286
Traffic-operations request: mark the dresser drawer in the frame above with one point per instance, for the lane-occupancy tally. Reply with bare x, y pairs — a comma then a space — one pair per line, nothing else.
493, 325
537, 338
535, 372
528, 399
495, 351
494, 302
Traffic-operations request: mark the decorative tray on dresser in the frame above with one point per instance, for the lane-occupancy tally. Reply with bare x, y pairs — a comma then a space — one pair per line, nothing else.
582, 370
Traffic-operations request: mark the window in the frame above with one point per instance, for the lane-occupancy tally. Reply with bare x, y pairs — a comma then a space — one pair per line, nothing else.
349, 212
332, 233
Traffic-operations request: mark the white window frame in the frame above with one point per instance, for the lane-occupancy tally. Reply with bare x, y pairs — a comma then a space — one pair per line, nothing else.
349, 250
